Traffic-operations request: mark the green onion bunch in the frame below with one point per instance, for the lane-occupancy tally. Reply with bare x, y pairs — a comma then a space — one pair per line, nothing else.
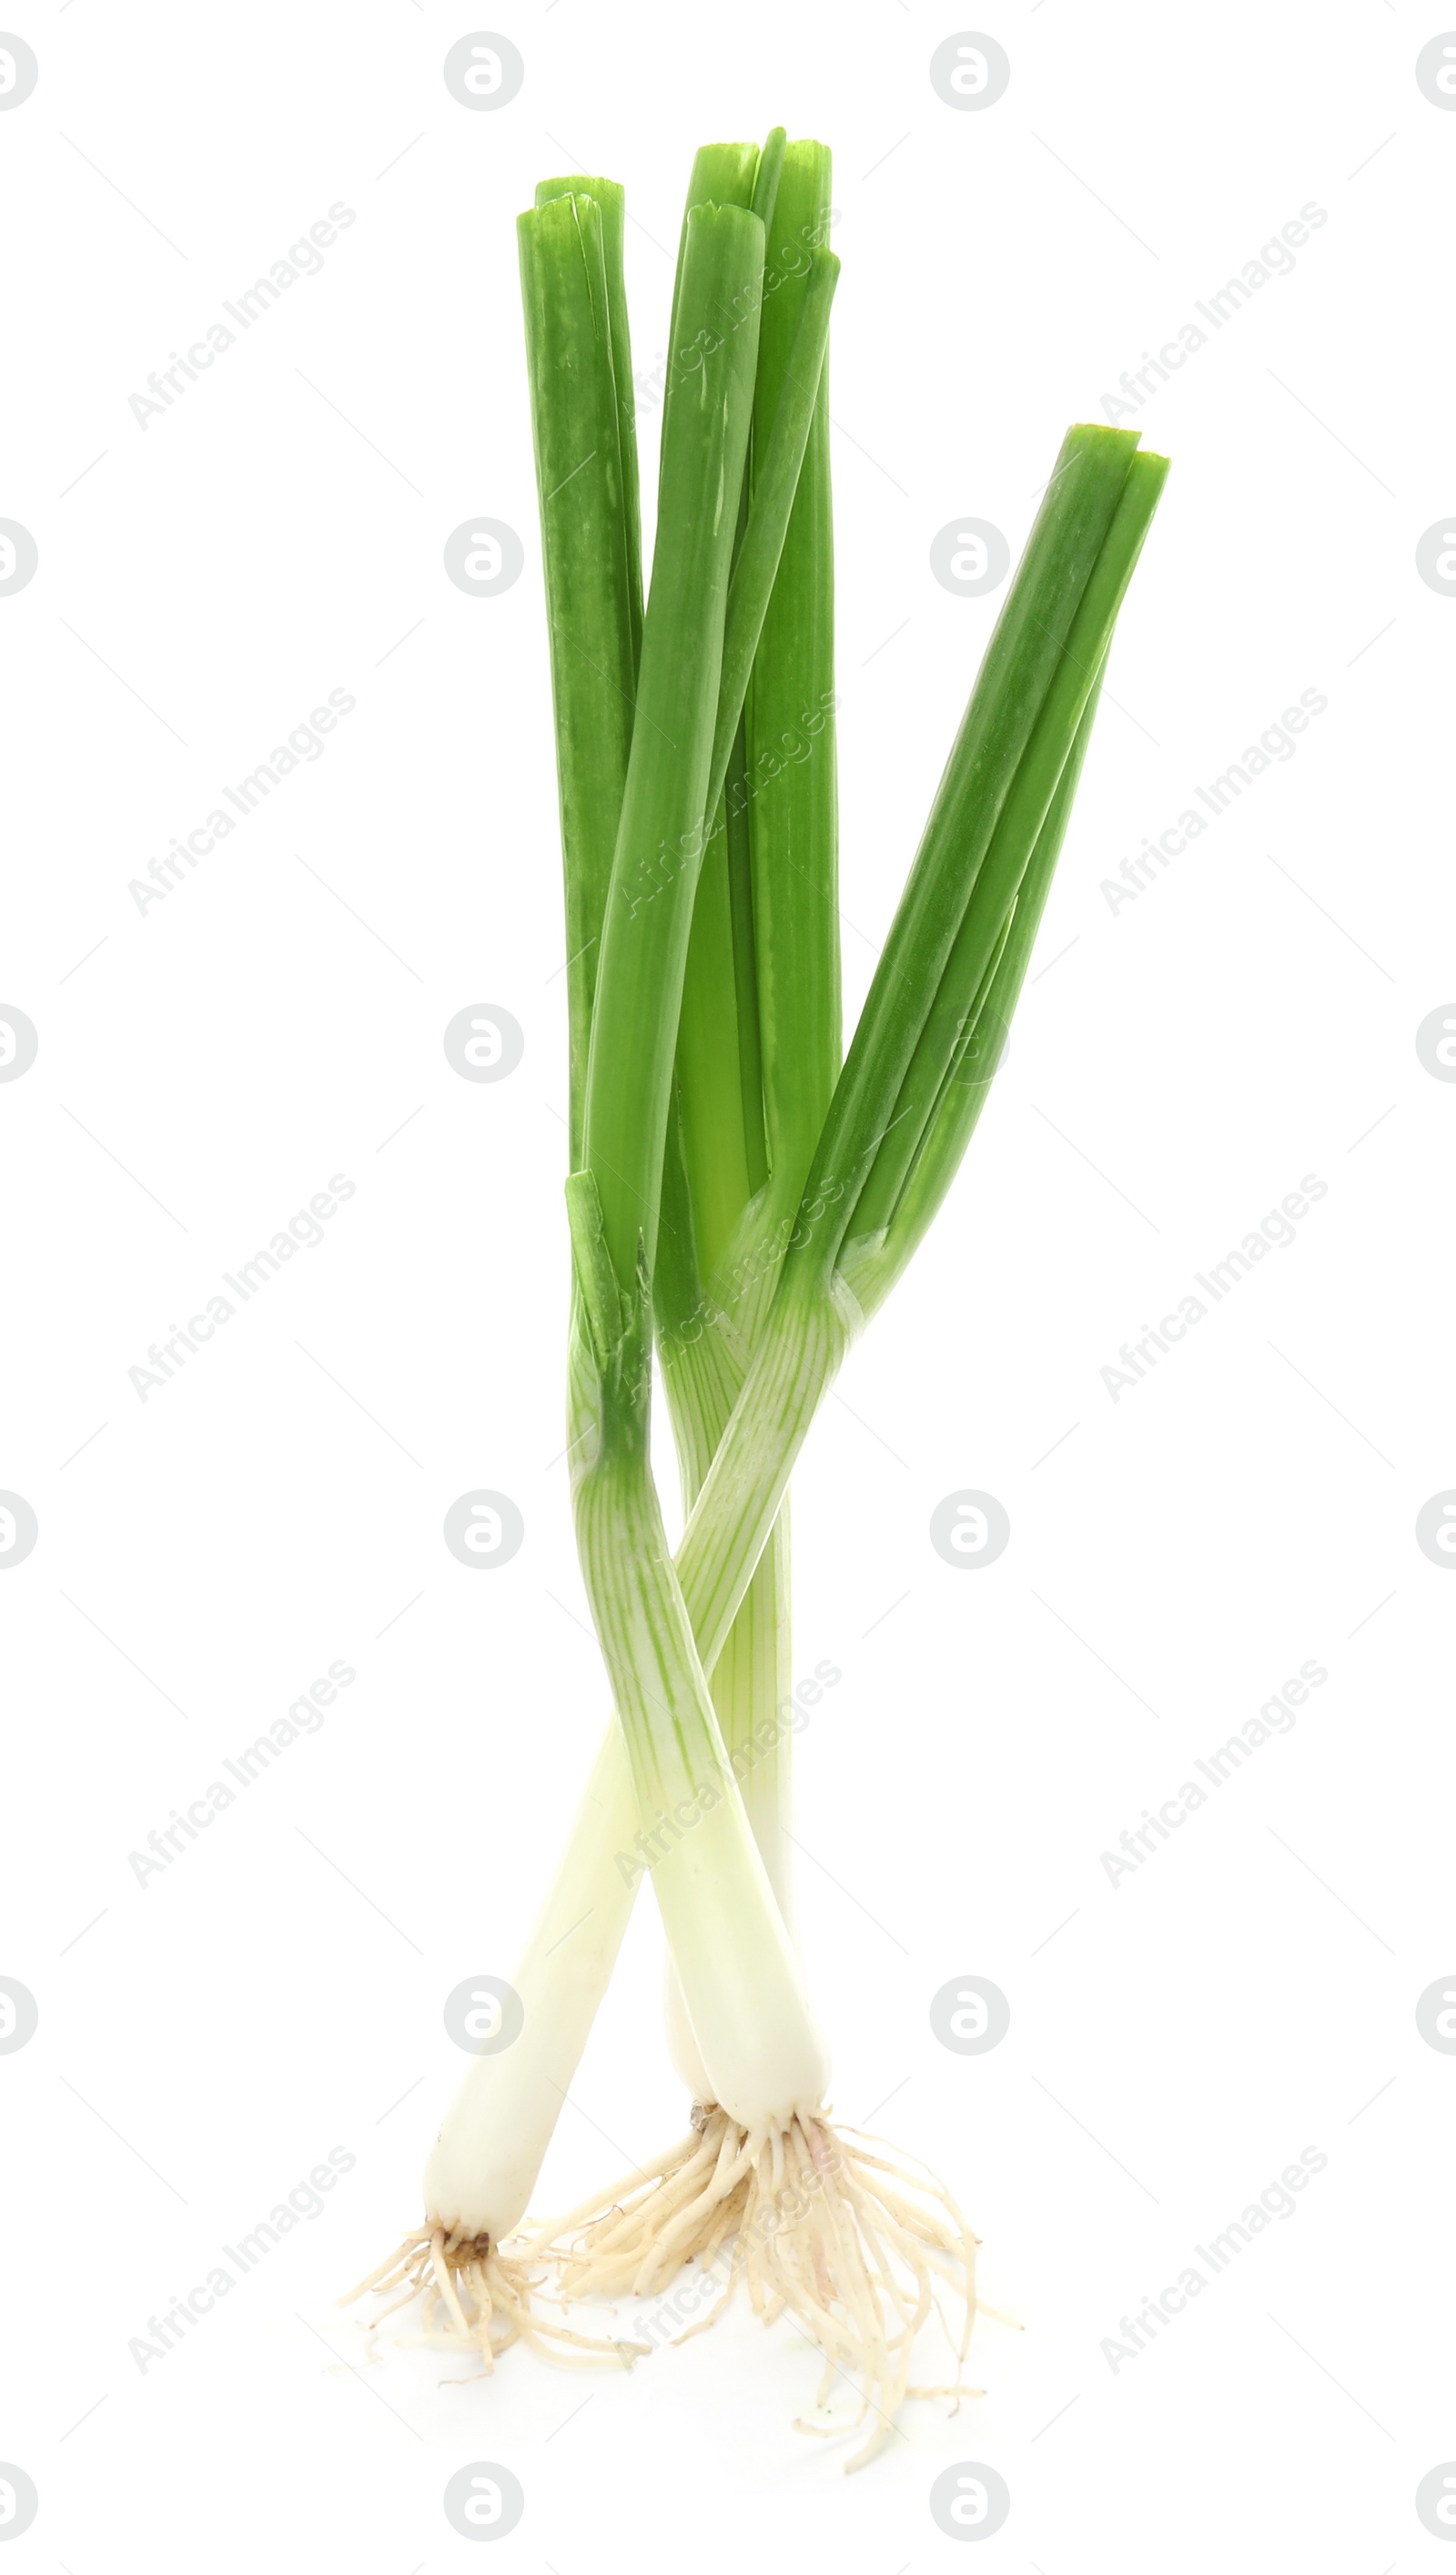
742, 1198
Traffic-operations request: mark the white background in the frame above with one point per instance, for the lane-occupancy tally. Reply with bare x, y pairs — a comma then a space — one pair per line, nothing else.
1177, 1067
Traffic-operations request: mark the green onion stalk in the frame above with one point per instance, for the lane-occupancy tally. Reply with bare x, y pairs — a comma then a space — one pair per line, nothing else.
469, 2260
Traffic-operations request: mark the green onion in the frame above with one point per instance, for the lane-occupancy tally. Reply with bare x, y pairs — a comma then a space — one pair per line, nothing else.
468, 2258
